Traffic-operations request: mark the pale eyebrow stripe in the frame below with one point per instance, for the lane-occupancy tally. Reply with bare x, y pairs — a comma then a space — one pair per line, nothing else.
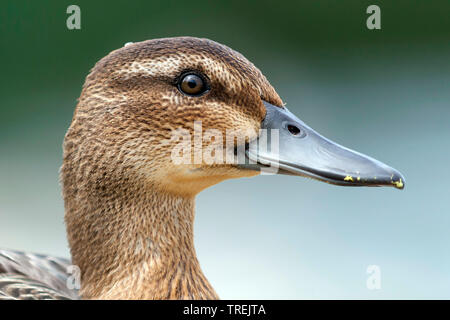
166, 67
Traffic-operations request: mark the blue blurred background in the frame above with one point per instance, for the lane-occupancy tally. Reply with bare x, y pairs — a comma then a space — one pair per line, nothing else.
383, 92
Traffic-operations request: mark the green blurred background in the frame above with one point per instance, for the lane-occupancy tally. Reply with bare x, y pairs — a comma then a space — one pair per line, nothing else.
384, 92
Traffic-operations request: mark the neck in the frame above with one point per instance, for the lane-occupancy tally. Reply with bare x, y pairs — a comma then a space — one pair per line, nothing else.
138, 248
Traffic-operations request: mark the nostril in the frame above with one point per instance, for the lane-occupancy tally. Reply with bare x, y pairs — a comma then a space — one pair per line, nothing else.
294, 130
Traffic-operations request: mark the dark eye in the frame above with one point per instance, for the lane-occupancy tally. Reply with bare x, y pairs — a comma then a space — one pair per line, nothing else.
192, 84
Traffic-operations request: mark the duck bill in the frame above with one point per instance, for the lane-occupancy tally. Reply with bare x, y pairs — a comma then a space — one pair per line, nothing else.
287, 145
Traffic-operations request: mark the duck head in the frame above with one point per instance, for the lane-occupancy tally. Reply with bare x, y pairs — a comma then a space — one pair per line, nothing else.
158, 100
160, 120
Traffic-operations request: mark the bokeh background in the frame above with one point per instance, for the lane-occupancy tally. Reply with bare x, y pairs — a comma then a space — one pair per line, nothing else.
385, 93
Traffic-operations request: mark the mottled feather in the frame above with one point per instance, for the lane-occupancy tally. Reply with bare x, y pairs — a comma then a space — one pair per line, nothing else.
25, 276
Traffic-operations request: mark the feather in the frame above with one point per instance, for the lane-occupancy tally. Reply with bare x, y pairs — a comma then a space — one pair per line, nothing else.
34, 276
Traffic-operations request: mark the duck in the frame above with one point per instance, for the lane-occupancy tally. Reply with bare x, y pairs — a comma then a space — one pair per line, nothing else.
150, 131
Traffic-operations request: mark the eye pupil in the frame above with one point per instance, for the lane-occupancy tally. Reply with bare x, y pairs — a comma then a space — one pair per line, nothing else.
192, 84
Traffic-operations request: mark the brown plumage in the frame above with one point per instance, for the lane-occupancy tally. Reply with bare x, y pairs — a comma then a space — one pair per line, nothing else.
129, 211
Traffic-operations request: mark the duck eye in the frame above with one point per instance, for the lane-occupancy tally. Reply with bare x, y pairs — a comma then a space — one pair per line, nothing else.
192, 84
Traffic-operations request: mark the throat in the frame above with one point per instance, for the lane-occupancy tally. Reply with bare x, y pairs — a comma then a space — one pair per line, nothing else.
139, 248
